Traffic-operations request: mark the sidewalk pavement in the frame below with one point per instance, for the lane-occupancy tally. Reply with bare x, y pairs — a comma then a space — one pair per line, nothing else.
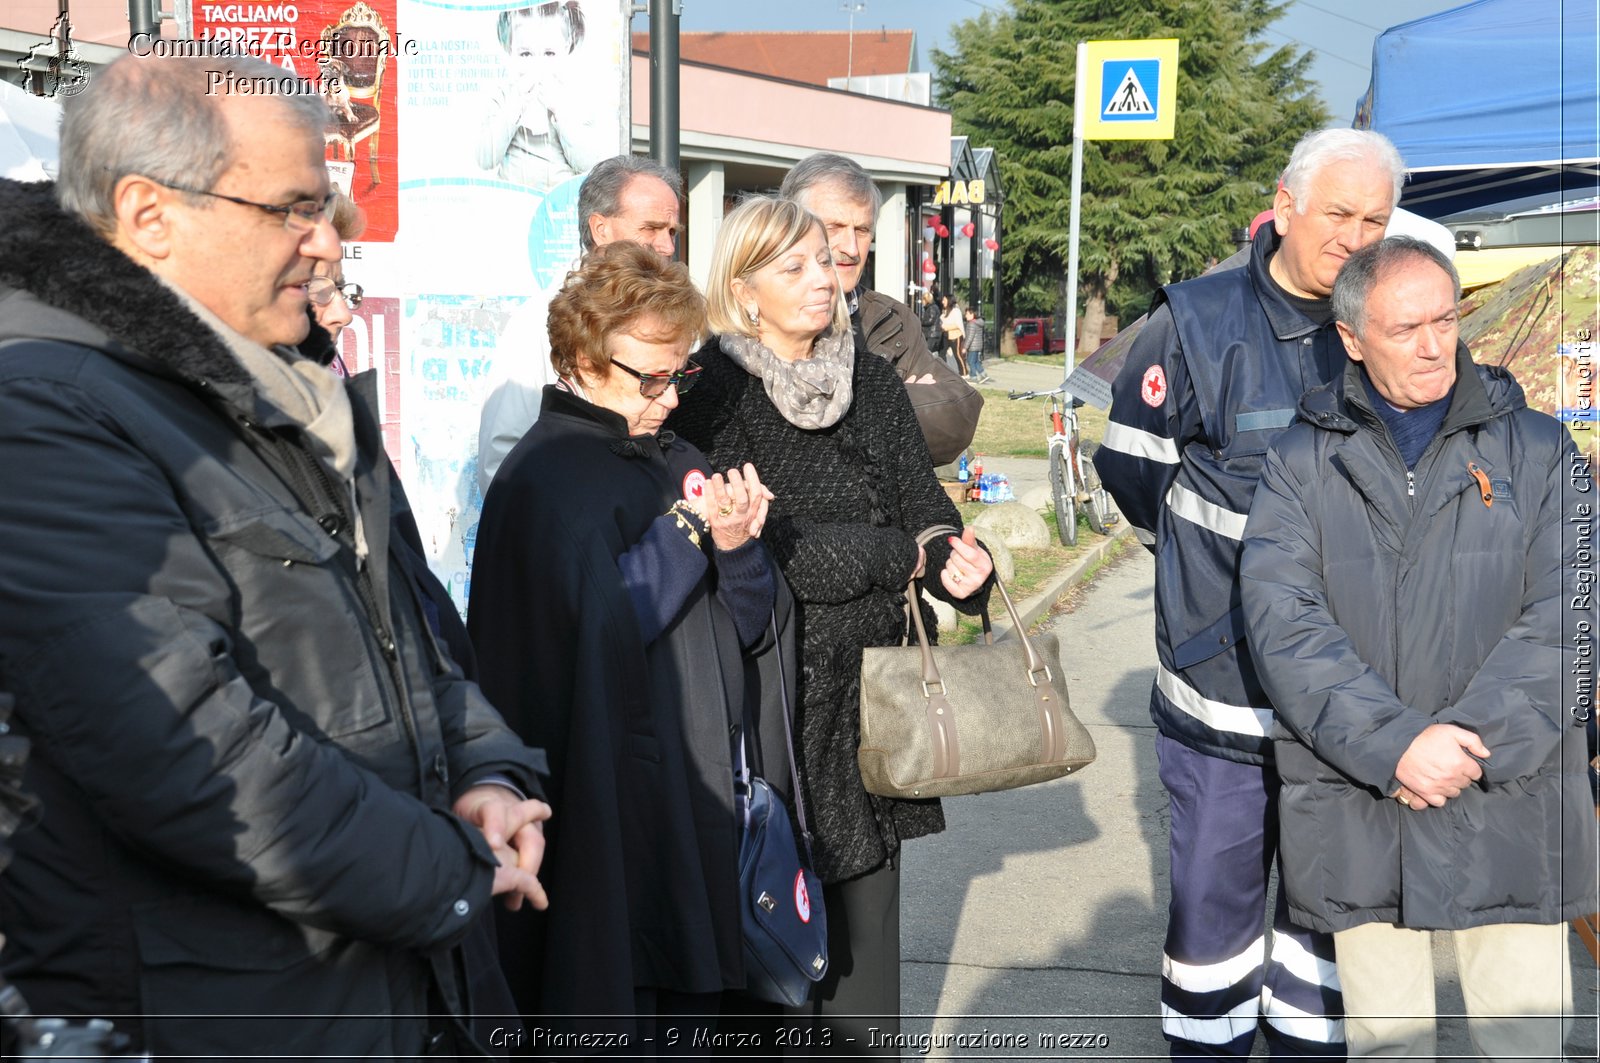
1034, 374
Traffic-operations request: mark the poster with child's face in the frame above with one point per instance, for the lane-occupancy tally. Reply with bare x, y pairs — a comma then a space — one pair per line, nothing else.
507, 106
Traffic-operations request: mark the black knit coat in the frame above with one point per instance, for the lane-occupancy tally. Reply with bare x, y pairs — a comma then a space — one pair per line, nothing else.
851, 499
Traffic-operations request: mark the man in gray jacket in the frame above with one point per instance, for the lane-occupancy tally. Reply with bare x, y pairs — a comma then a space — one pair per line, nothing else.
1416, 582
272, 807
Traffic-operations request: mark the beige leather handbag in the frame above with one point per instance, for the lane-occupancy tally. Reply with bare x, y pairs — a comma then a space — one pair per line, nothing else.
943, 720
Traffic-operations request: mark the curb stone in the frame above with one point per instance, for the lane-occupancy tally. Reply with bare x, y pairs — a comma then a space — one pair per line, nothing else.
1058, 586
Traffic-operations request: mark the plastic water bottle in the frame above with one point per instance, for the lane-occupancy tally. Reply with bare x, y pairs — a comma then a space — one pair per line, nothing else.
1005, 490
962, 472
988, 488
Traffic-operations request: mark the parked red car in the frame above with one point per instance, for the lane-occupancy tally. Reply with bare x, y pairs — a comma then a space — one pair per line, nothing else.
1038, 335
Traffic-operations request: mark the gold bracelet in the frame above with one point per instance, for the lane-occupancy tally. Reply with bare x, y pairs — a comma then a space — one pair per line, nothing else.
686, 519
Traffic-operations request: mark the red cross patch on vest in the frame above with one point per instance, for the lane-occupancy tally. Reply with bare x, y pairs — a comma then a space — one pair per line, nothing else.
1153, 388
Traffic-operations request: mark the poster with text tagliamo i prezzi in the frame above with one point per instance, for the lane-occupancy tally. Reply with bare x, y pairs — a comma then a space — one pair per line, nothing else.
463, 129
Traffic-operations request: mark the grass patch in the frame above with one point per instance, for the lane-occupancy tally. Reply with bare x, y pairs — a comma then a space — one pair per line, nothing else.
1018, 429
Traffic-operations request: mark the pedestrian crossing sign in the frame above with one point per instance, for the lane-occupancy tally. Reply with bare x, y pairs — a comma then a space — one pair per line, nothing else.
1131, 91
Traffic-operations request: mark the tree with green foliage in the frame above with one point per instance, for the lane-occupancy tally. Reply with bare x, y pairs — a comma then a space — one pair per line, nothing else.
1152, 210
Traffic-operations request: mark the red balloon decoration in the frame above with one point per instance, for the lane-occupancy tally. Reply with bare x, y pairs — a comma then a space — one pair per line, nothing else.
928, 267
968, 229
943, 231
991, 243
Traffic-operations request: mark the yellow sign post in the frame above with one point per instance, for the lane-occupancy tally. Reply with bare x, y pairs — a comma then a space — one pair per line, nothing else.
1126, 90
1131, 90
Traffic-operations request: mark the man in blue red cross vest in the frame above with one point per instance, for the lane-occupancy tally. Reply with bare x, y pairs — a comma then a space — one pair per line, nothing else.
1210, 382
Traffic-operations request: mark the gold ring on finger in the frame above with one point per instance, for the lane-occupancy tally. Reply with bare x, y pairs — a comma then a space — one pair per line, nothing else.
725, 509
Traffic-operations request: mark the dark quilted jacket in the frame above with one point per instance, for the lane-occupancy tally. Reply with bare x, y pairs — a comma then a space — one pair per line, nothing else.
1378, 604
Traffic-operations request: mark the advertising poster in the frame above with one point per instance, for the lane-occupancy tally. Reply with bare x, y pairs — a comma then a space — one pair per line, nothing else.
353, 54
471, 215
372, 339
506, 106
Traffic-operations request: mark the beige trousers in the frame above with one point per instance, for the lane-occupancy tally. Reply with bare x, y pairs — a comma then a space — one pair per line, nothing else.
1515, 977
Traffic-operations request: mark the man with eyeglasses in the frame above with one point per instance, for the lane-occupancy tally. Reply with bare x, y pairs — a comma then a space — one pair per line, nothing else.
272, 809
627, 197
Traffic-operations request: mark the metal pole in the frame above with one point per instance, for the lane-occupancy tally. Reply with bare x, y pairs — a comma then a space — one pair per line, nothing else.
994, 265
850, 62
974, 297
1079, 94
144, 16
664, 81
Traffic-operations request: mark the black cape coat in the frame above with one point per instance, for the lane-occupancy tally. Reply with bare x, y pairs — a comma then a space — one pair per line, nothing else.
641, 858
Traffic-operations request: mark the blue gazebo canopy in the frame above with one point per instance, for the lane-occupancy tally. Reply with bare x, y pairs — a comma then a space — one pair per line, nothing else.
1490, 101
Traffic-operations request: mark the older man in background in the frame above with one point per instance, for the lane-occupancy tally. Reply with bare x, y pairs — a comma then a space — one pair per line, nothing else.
843, 195
1208, 385
628, 197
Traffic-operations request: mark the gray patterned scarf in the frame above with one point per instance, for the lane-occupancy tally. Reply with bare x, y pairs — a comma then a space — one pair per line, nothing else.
812, 393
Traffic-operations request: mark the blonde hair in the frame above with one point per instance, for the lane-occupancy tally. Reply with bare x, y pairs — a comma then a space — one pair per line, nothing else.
349, 220
614, 289
756, 234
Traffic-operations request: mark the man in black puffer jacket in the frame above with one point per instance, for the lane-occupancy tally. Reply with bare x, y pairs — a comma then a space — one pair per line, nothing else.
1416, 580
272, 807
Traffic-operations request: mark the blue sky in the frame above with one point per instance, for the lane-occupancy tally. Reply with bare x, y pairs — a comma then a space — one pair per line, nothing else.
1340, 32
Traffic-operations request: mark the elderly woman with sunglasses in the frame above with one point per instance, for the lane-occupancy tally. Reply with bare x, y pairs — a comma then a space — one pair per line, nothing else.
623, 608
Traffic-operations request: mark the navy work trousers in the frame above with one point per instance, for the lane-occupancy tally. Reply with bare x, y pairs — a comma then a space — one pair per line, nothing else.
1223, 974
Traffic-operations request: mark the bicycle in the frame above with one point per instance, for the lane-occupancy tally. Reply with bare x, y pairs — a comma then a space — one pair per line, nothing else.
1072, 474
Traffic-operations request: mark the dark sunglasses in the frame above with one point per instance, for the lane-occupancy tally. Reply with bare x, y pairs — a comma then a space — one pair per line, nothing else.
654, 385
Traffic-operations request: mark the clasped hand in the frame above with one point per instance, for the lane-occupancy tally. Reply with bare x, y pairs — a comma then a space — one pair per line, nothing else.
734, 507
1436, 767
514, 829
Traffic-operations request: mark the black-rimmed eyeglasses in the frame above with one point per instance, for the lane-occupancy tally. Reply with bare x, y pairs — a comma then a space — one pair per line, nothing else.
654, 385
300, 216
321, 289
